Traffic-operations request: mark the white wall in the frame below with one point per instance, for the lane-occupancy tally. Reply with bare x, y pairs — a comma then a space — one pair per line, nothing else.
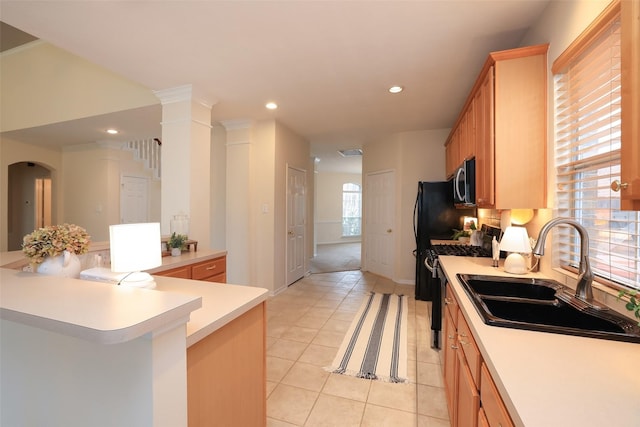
91, 187
43, 84
415, 156
328, 217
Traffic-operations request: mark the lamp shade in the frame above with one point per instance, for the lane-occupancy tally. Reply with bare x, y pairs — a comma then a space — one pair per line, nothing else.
515, 239
135, 247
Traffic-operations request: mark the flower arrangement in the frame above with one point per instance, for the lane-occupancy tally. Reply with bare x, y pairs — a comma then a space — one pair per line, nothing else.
54, 240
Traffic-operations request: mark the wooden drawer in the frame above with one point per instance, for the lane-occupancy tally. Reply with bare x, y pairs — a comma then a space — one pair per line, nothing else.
181, 272
451, 304
470, 349
492, 404
218, 278
208, 269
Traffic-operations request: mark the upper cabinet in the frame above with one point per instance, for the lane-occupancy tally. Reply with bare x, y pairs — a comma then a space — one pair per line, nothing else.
630, 73
503, 125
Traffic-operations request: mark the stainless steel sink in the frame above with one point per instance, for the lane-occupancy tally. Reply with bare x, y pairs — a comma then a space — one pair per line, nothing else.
543, 305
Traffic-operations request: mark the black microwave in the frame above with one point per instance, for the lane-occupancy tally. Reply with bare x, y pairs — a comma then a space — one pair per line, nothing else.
464, 184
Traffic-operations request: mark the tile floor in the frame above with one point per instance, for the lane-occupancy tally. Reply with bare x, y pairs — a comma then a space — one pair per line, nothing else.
306, 324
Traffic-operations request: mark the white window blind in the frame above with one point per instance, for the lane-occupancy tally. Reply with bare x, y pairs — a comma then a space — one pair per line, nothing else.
588, 105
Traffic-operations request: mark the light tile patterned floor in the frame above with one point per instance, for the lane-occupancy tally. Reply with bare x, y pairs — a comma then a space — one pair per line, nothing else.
306, 324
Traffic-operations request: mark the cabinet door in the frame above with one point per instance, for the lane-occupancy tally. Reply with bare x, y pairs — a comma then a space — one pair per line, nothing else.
450, 365
226, 374
468, 346
494, 408
630, 150
520, 131
485, 172
468, 397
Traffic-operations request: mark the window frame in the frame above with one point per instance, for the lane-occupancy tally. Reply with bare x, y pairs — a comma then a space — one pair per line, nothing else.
566, 241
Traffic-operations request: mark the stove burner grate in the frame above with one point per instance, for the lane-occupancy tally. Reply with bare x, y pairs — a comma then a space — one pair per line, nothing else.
461, 250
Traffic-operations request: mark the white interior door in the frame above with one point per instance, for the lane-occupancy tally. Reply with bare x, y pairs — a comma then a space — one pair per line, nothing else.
134, 195
296, 194
379, 215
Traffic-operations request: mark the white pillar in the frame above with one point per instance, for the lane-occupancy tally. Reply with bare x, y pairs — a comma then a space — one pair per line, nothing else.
186, 148
238, 201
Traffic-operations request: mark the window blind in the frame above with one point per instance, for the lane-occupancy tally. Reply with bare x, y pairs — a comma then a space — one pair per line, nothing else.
588, 129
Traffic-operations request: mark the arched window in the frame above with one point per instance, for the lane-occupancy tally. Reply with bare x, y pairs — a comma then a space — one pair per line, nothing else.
351, 209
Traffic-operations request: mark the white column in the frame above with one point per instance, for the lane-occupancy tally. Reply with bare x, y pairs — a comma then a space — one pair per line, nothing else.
186, 148
238, 201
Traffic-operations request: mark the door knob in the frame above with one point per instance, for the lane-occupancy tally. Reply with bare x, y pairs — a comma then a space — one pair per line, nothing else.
290, 233
388, 230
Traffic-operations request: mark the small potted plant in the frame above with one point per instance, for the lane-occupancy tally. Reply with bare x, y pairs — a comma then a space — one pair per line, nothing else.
633, 304
177, 243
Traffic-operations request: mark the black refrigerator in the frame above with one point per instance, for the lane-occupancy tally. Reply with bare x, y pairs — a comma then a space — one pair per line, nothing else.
434, 217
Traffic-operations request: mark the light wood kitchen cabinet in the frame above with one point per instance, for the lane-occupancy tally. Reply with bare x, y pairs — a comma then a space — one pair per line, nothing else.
213, 270
462, 393
485, 172
450, 364
226, 374
630, 74
493, 407
508, 138
472, 397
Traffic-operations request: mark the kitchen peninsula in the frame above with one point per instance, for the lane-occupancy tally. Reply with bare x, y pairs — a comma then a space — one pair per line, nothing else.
543, 378
79, 353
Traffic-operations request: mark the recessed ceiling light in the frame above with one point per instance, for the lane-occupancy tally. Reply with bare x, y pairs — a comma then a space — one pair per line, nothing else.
396, 89
271, 105
112, 131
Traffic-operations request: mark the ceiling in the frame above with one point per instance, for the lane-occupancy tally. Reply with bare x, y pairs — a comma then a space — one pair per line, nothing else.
327, 64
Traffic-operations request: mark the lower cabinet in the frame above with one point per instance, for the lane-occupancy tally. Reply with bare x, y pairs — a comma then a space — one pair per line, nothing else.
226, 374
213, 270
472, 396
494, 409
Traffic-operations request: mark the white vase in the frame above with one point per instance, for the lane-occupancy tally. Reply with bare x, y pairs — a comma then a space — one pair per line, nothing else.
64, 265
176, 251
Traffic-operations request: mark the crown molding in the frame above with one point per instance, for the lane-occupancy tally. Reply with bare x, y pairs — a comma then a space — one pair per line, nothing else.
180, 94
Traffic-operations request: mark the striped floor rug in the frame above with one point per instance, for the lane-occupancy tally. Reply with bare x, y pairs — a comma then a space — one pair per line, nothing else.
375, 345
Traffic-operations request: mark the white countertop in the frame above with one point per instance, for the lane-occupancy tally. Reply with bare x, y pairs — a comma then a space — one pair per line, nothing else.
548, 379
221, 303
91, 311
108, 314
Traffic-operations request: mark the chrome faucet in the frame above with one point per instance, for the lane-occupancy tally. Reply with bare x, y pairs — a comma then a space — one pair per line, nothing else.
585, 276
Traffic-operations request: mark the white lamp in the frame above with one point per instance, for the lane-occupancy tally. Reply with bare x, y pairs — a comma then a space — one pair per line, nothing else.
135, 247
515, 241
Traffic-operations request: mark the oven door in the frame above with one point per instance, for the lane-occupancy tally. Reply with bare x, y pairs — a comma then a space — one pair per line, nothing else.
432, 264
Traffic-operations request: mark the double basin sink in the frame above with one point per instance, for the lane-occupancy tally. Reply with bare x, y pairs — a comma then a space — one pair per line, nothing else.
544, 305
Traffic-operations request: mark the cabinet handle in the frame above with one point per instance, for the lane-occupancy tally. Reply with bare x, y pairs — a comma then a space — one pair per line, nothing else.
213, 267
450, 337
454, 347
447, 301
617, 185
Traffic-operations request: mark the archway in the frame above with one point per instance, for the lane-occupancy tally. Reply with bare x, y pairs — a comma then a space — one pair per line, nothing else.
29, 201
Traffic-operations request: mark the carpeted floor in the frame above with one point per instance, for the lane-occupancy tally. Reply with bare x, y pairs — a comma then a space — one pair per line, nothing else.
336, 257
